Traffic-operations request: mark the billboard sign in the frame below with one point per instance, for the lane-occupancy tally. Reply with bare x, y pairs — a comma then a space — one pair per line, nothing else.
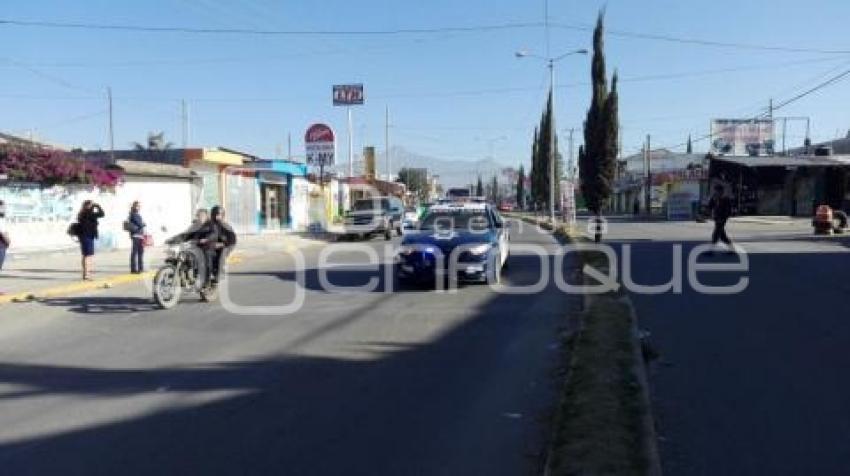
319, 144
348, 94
742, 137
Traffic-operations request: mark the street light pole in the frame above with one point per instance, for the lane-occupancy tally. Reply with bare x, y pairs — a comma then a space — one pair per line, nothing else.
553, 154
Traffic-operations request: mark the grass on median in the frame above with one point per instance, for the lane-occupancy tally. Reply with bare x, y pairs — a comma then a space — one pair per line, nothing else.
599, 422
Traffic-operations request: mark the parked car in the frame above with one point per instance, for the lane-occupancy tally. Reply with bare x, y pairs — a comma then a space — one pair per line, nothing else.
411, 218
374, 216
506, 207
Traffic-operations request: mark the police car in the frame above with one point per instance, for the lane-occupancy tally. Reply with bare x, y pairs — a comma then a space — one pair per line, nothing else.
469, 241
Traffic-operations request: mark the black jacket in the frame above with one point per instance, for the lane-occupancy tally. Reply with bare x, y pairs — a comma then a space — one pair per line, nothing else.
217, 232
87, 222
721, 209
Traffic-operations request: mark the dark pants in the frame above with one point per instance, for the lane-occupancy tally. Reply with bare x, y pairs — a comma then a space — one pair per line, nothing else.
2, 255
720, 232
213, 263
137, 254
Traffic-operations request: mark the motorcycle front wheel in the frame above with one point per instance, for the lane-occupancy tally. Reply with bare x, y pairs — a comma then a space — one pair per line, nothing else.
166, 287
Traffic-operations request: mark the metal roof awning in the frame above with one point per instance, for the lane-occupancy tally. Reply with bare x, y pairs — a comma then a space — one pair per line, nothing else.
152, 169
783, 161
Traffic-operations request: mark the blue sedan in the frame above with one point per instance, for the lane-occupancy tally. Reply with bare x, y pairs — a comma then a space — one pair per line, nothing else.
469, 241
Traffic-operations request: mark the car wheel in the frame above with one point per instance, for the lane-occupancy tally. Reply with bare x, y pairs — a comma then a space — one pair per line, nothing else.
494, 271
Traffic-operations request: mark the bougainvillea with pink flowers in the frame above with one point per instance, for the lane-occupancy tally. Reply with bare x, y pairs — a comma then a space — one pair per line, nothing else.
53, 167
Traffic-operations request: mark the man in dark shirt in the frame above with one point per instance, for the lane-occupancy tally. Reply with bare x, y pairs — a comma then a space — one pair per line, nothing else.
216, 238
721, 209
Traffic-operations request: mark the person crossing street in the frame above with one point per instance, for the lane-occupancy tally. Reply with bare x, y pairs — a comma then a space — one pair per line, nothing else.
720, 207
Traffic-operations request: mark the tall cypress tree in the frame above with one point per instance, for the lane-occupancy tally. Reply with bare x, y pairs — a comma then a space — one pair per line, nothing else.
520, 188
690, 149
479, 188
535, 166
597, 160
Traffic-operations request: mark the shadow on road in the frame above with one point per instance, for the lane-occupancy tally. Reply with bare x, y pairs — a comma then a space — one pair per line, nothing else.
471, 401
103, 305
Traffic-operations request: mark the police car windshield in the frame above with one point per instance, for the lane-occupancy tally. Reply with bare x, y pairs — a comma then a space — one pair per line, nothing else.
461, 219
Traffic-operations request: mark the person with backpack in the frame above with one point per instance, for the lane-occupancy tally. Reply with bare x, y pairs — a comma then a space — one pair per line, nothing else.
720, 207
86, 232
135, 226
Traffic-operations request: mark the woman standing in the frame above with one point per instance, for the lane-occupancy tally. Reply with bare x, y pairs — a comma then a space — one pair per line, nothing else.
87, 219
136, 228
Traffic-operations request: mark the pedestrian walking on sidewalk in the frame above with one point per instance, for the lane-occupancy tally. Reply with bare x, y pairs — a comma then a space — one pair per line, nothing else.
4, 235
87, 221
720, 207
135, 225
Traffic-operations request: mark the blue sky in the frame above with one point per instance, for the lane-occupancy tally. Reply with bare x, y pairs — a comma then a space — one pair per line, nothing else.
452, 95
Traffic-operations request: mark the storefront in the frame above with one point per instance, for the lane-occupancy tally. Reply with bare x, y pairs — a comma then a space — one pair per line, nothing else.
276, 209
783, 185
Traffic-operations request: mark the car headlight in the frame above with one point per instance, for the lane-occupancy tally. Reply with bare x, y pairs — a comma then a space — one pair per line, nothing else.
406, 250
479, 250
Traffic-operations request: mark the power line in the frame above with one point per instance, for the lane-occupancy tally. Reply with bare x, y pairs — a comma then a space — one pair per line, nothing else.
700, 42
820, 86
253, 31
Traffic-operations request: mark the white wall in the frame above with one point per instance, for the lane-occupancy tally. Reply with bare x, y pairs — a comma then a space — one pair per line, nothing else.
37, 219
299, 204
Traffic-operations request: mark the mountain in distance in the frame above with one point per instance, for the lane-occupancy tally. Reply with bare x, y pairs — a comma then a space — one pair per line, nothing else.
452, 172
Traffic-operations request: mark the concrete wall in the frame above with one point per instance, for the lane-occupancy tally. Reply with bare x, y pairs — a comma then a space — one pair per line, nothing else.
37, 218
299, 204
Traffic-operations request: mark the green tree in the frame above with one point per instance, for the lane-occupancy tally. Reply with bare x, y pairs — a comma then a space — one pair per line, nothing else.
155, 142
416, 181
520, 188
494, 190
690, 149
479, 188
597, 160
535, 167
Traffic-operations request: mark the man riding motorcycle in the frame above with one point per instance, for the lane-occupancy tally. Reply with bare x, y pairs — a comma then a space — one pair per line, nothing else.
217, 238
213, 235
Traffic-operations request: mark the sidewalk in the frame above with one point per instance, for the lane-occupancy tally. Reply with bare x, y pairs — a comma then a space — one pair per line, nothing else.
57, 274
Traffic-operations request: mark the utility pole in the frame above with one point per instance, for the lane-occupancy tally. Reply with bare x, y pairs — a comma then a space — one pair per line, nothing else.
350, 145
647, 164
572, 159
288, 146
111, 126
387, 143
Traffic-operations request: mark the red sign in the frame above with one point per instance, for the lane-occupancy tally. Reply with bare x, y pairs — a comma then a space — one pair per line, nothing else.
319, 133
319, 145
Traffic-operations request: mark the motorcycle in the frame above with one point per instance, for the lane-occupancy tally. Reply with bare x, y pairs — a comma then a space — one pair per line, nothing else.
185, 270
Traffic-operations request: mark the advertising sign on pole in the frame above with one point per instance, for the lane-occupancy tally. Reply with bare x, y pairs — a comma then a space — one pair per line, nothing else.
348, 94
742, 137
320, 146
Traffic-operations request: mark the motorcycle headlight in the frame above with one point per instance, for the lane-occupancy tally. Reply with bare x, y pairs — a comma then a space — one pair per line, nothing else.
479, 250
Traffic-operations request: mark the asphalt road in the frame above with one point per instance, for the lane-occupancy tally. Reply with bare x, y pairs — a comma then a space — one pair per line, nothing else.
406, 382
751, 383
